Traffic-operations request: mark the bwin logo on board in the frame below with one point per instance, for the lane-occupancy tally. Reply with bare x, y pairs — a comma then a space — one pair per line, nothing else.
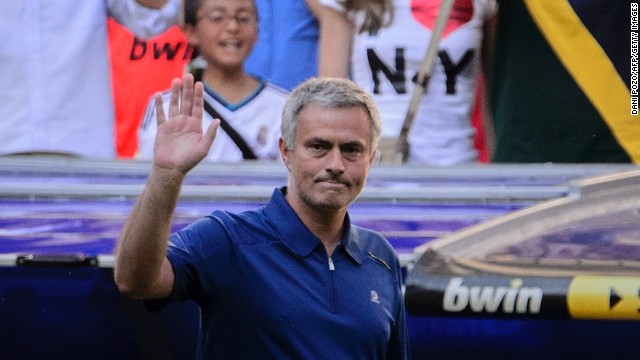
514, 299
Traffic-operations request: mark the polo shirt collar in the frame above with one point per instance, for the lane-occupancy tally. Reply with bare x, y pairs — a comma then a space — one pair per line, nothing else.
297, 236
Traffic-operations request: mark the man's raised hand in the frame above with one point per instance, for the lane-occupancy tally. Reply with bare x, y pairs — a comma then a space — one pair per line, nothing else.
180, 141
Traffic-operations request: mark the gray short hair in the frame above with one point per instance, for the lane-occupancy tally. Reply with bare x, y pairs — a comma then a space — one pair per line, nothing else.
331, 93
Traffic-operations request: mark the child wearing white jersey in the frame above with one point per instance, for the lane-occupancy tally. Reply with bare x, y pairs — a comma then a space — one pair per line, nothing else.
384, 61
225, 32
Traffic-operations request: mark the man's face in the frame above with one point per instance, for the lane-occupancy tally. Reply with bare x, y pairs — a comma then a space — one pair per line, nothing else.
330, 159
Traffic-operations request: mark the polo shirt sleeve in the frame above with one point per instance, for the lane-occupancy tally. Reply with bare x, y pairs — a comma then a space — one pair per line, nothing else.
201, 257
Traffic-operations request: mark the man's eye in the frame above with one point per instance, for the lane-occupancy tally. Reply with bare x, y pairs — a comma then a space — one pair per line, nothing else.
352, 150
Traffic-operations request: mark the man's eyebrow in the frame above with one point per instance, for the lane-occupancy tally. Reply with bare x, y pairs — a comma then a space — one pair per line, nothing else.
352, 143
315, 139
326, 141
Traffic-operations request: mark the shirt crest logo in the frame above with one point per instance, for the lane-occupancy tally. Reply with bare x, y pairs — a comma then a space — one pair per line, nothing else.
374, 297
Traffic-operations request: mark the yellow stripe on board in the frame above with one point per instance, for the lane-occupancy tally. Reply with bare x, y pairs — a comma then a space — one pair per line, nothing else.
590, 67
604, 297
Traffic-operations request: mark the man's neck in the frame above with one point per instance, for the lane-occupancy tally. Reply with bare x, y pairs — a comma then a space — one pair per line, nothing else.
326, 224
327, 227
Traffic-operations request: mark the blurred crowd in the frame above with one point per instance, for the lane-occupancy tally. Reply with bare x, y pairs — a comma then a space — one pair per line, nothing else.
514, 81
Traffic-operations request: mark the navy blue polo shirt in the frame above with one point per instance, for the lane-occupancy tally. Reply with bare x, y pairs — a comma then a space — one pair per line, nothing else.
268, 290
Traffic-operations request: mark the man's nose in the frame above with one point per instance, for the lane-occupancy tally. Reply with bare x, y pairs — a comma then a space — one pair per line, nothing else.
335, 161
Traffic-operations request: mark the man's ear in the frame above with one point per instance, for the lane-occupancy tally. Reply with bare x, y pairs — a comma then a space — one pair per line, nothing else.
285, 153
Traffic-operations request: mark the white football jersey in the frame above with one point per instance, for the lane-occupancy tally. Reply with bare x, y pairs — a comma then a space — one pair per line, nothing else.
385, 64
257, 119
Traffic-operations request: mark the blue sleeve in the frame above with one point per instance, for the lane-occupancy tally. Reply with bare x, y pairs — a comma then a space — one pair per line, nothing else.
201, 257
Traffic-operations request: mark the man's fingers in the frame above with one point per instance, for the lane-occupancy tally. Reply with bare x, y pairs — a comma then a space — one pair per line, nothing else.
186, 107
174, 104
160, 116
198, 100
210, 133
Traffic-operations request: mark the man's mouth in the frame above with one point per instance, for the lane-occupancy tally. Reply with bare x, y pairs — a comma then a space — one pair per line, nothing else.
333, 182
